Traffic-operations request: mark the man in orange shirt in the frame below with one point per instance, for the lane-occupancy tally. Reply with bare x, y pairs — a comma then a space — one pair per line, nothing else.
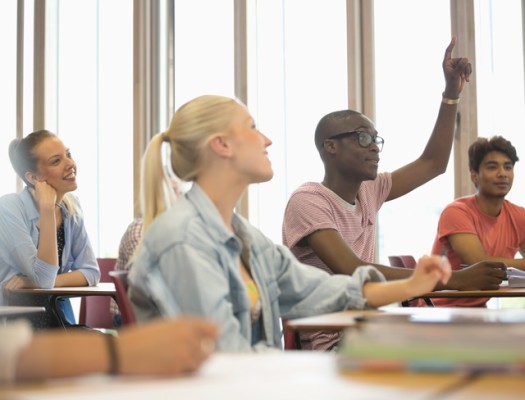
484, 226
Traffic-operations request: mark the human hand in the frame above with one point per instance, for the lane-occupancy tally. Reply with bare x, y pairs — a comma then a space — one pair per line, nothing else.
44, 194
428, 272
457, 72
483, 275
166, 347
19, 282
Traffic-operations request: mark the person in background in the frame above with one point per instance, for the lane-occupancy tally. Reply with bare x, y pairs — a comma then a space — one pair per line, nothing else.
162, 347
332, 224
201, 258
484, 226
43, 240
152, 204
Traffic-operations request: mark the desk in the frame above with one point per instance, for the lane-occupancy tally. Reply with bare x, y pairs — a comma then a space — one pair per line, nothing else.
341, 320
503, 291
18, 311
102, 289
276, 376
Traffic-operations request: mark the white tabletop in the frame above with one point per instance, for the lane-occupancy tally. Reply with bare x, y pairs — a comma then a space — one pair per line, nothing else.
269, 376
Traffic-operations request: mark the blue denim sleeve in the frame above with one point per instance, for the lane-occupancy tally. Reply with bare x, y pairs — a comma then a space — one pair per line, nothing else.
306, 290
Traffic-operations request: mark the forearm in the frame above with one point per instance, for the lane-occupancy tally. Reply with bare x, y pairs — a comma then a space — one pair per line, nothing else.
378, 294
74, 278
439, 144
55, 355
47, 241
518, 263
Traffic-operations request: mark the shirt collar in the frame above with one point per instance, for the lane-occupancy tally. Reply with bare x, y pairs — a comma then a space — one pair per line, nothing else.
209, 213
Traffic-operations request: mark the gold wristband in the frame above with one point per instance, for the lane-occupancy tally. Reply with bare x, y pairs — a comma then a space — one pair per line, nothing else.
450, 101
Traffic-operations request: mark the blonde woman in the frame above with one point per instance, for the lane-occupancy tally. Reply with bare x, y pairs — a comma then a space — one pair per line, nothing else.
202, 258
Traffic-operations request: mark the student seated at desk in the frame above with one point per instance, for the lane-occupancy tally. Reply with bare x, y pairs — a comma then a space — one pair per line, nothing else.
163, 347
43, 241
484, 226
332, 224
201, 258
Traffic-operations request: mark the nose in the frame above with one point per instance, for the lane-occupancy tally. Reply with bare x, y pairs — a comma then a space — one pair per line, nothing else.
70, 163
267, 141
502, 172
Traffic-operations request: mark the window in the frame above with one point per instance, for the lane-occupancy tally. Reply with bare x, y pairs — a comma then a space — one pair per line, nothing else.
409, 85
8, 18
90, 94
297, 74
499, 68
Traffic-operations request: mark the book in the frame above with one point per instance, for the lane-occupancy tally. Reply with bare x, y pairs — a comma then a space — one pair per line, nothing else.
515, 277
435, 347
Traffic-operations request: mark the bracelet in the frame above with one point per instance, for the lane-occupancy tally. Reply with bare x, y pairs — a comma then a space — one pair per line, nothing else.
450, 101
112, 353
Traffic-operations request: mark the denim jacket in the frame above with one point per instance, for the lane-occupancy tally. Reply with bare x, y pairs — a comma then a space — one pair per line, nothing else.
188, 263
19, 239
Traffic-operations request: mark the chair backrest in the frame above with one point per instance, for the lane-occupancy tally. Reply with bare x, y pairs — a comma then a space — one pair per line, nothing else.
94, 310
402, 261
120, 279
291, 338
408, 261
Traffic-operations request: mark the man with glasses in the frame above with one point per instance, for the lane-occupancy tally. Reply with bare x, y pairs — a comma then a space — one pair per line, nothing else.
332, 224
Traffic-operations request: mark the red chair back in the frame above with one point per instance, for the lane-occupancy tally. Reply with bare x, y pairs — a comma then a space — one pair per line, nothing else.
120, 279
94, 310
402, 261
408, 261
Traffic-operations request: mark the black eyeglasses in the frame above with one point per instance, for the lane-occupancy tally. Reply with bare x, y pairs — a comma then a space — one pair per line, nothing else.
363, 138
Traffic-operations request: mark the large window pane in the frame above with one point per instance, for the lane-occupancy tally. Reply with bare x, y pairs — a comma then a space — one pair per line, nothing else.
8, 13
499, 69
94, 94
297, 68
409, 82
204, 49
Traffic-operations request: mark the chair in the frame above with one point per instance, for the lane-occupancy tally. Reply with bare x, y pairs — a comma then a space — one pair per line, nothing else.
120, 279
291, 338
408, 261
94, 310
402, 261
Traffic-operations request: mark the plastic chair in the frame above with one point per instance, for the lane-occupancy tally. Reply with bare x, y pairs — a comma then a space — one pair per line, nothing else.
408, 261
402, 261
94, 310
120, 279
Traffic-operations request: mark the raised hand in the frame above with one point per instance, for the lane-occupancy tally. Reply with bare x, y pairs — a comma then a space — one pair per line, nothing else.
457, 72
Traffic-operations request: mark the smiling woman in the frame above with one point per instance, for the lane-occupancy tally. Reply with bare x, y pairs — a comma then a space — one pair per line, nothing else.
43, 242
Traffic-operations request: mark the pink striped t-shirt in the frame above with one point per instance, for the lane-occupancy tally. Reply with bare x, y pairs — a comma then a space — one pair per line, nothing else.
314, 207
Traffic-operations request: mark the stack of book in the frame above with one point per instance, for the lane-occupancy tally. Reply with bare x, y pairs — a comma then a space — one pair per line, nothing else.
479, 342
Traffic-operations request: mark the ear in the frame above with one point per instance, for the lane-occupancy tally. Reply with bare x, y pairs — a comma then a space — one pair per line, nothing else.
474, 178
329, 146
221, 146
31, 177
